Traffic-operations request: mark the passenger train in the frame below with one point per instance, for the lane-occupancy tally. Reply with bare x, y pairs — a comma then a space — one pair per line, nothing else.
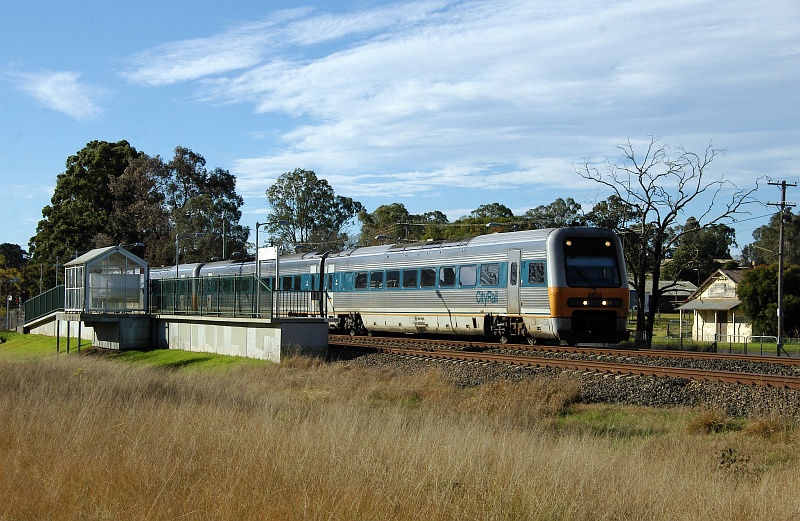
565, 285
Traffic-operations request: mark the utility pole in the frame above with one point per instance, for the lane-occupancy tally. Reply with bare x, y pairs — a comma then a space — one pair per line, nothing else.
783, 204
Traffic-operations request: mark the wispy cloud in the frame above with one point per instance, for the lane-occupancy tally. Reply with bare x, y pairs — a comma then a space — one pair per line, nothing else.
412, 99
61, 91
247, 45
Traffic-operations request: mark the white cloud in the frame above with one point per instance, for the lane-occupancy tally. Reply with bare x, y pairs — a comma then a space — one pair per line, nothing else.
61, 91
497, 98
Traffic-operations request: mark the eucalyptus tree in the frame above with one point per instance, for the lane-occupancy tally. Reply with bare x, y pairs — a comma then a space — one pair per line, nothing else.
559, 213
316, 217
760, 299
764, 248
700, 250
200, 201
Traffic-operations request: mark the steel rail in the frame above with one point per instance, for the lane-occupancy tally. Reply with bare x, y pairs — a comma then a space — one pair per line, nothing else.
480, 345
778, 381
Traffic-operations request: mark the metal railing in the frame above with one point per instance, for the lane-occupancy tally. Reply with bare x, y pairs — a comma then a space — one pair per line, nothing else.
232, 296
45, 303
733, 344
767, 344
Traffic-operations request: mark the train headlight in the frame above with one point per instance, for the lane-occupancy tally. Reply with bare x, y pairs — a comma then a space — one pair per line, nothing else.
608, 244
594, 302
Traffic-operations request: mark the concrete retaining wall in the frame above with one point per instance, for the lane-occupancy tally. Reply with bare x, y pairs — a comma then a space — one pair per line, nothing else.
244, 337
48, 326
261, 339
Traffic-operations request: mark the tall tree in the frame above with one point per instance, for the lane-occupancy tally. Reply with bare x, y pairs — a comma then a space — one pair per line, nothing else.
700, 251
759, 295
317, 218
395, 222
13, 256
200, 201
657, 188
388, 220
559, 213
140, 215
10, 279
496, 211
764, 248
80, 209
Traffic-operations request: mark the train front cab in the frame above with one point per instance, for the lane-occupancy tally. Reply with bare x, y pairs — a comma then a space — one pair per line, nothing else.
589, 289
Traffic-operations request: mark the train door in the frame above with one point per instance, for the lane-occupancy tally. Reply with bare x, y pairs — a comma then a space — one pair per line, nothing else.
514, 263
328, 286
313, 287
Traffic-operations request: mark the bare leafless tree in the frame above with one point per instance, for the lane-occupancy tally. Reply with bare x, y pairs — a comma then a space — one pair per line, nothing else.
656, 188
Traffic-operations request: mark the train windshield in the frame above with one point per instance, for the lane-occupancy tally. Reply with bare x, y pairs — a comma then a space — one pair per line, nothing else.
591, 263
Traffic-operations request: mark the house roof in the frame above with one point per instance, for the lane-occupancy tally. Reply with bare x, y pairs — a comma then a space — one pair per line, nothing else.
735, 275
711, 304
719, 304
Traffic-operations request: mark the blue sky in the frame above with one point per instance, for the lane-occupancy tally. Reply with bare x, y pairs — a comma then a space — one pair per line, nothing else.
439, 105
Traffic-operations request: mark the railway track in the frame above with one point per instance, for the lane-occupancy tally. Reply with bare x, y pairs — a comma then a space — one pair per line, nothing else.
475, 352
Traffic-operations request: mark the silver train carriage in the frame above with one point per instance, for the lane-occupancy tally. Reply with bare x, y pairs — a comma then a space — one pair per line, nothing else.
566, 285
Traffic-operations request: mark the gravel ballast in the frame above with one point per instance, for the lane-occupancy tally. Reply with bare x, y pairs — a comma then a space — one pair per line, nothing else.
733, 400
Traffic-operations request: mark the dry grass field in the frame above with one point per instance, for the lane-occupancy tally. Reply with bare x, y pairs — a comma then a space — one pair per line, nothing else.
95, 437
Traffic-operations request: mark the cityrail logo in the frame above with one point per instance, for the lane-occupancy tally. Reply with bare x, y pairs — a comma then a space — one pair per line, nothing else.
487, 297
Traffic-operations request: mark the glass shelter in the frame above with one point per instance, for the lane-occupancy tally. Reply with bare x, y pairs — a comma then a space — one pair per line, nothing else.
106, 280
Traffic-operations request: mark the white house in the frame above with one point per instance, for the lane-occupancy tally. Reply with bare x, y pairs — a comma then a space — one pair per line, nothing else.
717, 315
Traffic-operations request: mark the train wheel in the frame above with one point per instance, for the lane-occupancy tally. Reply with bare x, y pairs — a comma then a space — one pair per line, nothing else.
532, 340
503, 339
353, 332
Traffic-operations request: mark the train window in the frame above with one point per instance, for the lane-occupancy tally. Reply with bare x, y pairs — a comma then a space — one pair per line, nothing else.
468, 275
592, 271
393, 278
536, 273
490, 274
447, 276
348, 281
376, 280
290, 283
428, 277
513, 277
410, 278
361, 280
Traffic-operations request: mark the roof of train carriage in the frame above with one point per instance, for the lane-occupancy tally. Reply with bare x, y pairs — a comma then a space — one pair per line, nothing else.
480, 240
169, 271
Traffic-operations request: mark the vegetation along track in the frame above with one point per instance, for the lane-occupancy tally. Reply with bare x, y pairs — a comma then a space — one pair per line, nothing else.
742, 370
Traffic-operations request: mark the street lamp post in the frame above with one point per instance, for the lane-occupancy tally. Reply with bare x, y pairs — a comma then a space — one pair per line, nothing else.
8, 300
258, 266
56, 266
177, 250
